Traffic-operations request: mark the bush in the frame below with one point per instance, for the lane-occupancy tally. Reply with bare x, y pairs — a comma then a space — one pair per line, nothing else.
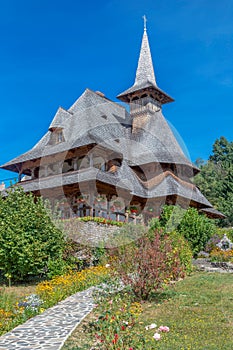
147, 266
212, 242
197, 229
182, 247
194, 227
28, 236
219, 255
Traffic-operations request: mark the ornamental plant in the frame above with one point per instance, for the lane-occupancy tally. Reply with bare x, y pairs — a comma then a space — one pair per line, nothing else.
218, 255
212, 242
100, 220
28, 236
117, 323
60, 287
196, 228
149, 264
113, 326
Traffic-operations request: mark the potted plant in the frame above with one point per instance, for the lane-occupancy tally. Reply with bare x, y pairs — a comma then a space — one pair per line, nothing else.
133, 210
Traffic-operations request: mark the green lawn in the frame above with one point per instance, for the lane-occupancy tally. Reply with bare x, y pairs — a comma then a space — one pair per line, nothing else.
198, 311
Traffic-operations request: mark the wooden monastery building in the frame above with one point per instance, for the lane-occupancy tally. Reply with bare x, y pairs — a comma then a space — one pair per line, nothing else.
99, 158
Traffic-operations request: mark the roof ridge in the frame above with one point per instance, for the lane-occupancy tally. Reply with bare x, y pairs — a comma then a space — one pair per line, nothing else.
159, 178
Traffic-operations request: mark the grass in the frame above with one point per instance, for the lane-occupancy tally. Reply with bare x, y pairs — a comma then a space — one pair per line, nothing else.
10, 315
198, 311
19, 291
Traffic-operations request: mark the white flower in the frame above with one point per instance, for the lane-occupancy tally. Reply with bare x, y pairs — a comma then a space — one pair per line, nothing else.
107, 265
151, 326
157, 336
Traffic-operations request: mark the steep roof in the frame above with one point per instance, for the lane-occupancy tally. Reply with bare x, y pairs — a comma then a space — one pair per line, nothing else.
59, 119
96, 120
145, 76
91, 119
153, 143
145, 69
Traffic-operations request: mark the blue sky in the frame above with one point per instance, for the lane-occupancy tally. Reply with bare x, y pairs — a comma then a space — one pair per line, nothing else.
52, 50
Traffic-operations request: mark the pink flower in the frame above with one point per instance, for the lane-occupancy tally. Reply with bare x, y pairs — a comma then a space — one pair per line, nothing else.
110, 302
164, 329
157, 336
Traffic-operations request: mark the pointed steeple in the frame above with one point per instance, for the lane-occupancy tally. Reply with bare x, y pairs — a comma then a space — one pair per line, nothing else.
145, 70
145, 82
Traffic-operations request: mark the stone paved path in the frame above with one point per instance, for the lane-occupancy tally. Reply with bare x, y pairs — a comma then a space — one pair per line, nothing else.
49, 331
208, 266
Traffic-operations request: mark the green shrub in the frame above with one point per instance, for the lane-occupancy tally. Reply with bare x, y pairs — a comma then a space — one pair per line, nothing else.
182, 247
194, 227
197, 229
28, 236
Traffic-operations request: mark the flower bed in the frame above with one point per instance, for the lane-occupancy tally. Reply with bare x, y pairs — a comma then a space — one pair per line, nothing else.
99, 220
48, 293
60, 287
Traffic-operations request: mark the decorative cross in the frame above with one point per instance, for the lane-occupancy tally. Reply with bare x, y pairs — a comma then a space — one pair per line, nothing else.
145, 20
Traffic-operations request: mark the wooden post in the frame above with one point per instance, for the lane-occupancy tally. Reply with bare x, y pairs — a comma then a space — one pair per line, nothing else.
75, 163
91, 160
20, 177
108, 204
32, 173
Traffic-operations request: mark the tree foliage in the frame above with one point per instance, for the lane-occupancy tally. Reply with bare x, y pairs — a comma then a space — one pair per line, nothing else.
216, 179
194, 227
28, 236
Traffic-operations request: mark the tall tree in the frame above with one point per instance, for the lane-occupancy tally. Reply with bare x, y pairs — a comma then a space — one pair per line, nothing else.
216, 179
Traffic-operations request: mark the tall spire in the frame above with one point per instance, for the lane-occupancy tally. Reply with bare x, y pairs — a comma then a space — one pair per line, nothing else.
145, 71
145, 82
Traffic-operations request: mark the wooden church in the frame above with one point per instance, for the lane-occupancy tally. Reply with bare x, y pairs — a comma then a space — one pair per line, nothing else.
99, 158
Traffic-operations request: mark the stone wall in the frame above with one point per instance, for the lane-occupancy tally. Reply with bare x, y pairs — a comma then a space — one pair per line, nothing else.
92, 234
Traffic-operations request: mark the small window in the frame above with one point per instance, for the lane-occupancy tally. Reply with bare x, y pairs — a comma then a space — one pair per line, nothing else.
56, 137
60, 137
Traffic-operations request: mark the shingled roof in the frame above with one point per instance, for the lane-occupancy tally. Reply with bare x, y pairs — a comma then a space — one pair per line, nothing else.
93, 119
145, 76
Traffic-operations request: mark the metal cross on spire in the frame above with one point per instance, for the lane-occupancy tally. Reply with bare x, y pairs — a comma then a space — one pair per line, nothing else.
145, 20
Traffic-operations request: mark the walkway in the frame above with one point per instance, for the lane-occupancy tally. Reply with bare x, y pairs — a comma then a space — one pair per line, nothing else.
49, 331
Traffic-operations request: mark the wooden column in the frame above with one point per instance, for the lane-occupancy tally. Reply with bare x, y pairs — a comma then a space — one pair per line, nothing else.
109, 197
32, 173
20, 177
75, 164
91, 160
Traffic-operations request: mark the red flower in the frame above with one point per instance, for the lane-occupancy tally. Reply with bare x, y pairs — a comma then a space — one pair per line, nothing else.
116, 336
122, 328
